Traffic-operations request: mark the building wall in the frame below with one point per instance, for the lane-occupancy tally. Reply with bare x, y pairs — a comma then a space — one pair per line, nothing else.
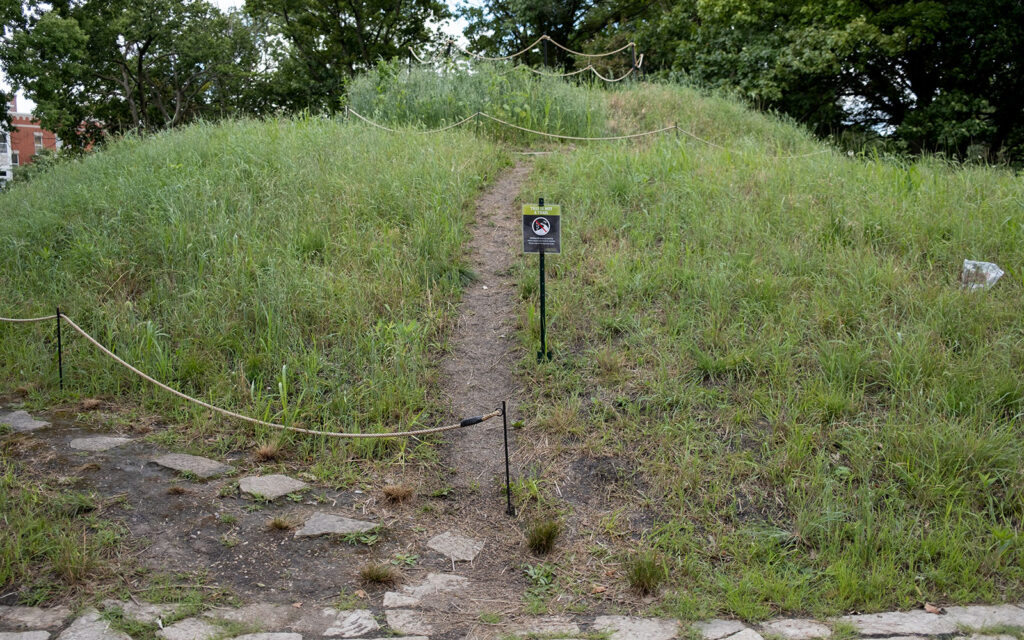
21, 142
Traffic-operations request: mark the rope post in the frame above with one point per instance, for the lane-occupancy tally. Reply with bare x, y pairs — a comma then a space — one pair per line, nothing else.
545, 53
60, 354
448, 51
508, 481
676, 127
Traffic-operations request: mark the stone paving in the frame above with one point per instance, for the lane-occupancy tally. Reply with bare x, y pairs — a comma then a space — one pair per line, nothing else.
424, 608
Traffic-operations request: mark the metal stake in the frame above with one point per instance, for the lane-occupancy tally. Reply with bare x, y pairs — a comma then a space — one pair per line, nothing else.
543, 353
60, 356
508, 482
545, 53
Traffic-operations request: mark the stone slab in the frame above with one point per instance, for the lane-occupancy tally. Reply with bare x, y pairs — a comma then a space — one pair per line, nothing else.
265, 615
33, 617
351, 624
269, 636
796, 629
98, 443
413, 595
746, 634
630, 628
896, 623
395, 600
91, 627
455, 546
547, 626
408, 621
196, 465
270, 487
21, 421
321, 523
142, 612
24, 635
981, 616
189, 629
717, 629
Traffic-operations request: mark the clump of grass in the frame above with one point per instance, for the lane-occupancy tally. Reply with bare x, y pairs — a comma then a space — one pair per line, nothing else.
376, 573
176, 490
269, 451
542, 536
645, 573
398, 492
281, 523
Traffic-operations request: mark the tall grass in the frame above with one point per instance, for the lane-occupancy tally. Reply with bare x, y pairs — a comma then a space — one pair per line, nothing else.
298, 270
829, 421
430, 98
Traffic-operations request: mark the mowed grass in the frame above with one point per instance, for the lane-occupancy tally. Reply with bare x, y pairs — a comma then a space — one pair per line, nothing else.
824, 420
297, 270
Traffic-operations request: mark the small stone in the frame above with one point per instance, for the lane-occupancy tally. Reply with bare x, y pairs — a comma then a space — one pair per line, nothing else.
33, 617
24, 635
629, 628
189, 629
270, 636
407, 621
196, 465
455, 546
394, 600
90, 627
321, 523
143, 612
897, 623
796, 629
350, 624
717, 629
262, 614
549, 626
270, 487
21, 421
979, 617
99, 443
980, 636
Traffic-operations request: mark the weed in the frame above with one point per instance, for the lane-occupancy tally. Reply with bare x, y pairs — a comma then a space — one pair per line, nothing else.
398, 492
542, 535
405, 559
176, 490
489, 618
346, 601
645, 573
228, 518
443, 492
269, 450
229, 540
281, 523
376, 573
369, 538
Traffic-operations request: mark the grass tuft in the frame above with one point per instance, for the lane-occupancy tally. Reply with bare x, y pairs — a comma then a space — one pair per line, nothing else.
645, 573
398, 492
542, 536
269, 451
281, 523
376, 573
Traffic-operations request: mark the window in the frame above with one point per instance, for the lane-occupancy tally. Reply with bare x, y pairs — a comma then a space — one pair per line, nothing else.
38, 137
3, 143
15, 158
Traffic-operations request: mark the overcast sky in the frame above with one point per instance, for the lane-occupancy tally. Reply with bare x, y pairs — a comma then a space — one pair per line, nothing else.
454, 27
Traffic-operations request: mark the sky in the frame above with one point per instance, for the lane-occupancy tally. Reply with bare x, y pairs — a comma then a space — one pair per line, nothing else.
454, 28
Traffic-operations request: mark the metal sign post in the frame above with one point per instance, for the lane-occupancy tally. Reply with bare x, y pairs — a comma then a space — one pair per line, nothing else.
542, 233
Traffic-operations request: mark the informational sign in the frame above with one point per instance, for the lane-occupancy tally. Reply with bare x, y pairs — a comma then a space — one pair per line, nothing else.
542, 228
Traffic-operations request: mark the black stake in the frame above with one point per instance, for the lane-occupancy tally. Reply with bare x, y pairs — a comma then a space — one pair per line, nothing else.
60, 356
543, 353
508, 482
545, 53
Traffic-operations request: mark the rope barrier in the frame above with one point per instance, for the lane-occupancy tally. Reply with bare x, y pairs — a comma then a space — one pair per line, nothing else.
238, 416
590, 55
589, 67
530, 47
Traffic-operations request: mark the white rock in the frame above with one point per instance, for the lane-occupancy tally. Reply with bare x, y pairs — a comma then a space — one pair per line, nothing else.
796, 629
455, 546
143, 612
90, 627
630, 628
350, 624
269, 636
33, 617
99, 443
717, 628
979, 617
394, 600
321, 523
270, 487
902, 623
24, 635
550, 626
264, 614
407, 621
196, 465
21, 421
189, 629
746, 634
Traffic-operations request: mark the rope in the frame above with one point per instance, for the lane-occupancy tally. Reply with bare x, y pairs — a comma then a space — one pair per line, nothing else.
380, 126
534, 44
590, 55
332, 434
509, 57
589, 67
561, 137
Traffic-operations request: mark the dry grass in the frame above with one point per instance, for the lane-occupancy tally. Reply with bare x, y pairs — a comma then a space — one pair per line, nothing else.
542, 535
176, 490
269, 451
376, 573
398, 492
281, 523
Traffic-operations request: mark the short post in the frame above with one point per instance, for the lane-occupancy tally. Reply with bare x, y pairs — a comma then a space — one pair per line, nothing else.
545, 53
543, 323
508, 481
60, 354
448, 51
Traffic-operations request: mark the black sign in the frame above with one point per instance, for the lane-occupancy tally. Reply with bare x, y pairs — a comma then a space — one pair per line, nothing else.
542, 228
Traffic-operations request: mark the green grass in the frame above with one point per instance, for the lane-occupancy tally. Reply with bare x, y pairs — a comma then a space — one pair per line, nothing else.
300, 270
426, 98
52, 543
826, 420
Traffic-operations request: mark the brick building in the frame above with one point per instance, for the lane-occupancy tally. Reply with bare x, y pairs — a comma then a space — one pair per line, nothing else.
25, 140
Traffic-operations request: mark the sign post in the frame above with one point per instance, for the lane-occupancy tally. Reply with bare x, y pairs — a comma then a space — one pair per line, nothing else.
542, 233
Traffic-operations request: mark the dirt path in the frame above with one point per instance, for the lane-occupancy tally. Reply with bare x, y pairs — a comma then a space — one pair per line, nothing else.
478, 373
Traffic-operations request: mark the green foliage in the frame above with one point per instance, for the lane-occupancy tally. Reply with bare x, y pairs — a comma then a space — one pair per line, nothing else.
180, 248
824, 420
645, 572
429, 98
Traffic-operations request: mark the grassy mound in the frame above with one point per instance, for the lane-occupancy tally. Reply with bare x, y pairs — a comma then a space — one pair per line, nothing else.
782, 349
297, 270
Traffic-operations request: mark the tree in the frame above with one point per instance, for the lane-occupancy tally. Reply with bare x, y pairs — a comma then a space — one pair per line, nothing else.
324, 42
114, 65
